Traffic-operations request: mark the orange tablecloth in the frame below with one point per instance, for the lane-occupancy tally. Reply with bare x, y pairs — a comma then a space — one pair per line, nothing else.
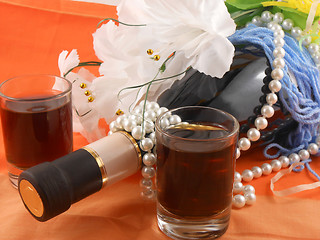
32, 34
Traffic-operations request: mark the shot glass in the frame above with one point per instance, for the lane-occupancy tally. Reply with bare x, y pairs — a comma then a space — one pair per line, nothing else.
196, 149
36, 117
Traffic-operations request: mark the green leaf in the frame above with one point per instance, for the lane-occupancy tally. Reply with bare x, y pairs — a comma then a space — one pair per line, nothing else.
163, 68
244, 4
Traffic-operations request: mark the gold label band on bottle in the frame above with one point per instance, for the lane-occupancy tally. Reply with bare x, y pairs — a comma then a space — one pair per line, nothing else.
136, 147
100, 163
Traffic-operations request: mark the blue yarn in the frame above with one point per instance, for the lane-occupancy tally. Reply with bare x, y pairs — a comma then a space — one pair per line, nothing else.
312, 171
301, 101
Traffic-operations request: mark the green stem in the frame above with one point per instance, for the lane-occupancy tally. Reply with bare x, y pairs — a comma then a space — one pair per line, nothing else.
152, 81
126, 24
83, 64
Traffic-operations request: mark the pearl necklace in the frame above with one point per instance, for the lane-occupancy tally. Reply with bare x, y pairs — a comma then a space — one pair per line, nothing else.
145, 135
272, 22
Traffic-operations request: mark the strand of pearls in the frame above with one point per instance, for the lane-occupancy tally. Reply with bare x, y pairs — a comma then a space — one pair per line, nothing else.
144, 133
277, 24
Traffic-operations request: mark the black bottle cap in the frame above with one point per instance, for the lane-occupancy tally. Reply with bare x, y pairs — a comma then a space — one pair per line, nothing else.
50, 188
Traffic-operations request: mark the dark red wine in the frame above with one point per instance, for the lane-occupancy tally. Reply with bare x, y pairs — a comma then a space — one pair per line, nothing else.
37, 134
195, 180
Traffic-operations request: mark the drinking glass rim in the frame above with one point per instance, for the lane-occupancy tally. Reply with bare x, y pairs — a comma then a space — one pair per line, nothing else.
61, 94
234, 131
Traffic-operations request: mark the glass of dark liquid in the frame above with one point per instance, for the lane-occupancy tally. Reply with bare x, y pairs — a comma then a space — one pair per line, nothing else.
36, 117
196, 149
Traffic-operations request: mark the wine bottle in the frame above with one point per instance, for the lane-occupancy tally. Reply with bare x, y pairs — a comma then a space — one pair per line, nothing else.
50, 188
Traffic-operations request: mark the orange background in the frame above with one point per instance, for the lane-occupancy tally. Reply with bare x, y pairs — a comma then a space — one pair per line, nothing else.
32, 34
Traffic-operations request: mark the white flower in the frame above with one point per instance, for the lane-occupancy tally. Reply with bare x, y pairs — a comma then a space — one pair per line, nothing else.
123, 50
198, 28
195, 30
67, 62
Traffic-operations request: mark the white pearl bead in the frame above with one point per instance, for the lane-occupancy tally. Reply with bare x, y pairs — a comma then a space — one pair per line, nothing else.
133, 118
279, 52
148, 172
267, 111
149, 159
316, 57
304, 154
128, 125
257, 171
146, 144
148, 126
256, 20
275, 27
306, 41
164, 123
148, 193
276, 165
278, 62
313, 48
238, 153
285, 161
271, 98
244, 144
150, 115
248, 189
238, 201
112, 126
253, 134
274, 86
119, 122
144, 103
294, 158
161, 111
146, 183
137, 133
266, 16
313, 148
296, 32
266, 169
287, 24
138, 110
278, 33
153, 106
277, 74
152, 136
139, 119
250, 198
247, 175
237, 177
278, 42
174, 119
270, 25
110, 133
278, 17
237, 187
261, 123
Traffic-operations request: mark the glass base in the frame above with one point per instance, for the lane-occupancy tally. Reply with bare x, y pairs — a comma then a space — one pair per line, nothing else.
14, 173
192, 228
13, 179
